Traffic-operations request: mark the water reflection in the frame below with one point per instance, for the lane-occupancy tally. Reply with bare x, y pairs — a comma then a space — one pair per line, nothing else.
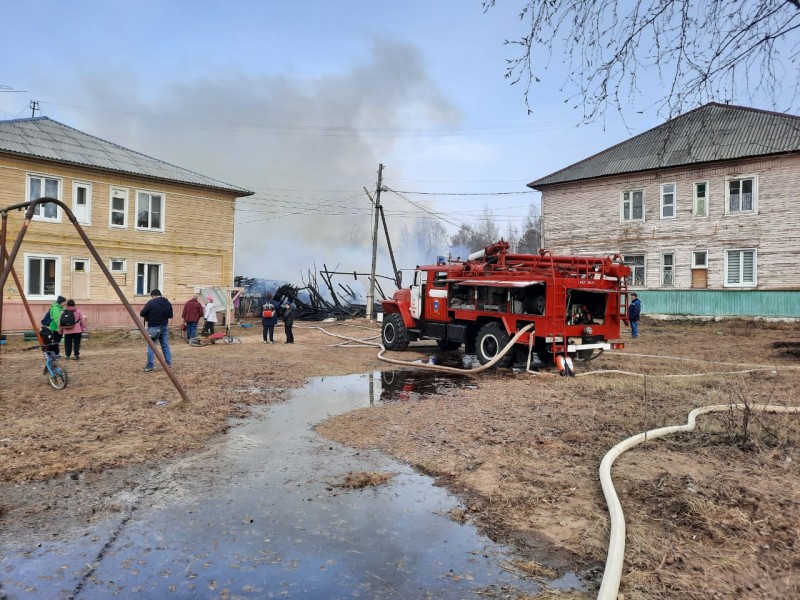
260, 516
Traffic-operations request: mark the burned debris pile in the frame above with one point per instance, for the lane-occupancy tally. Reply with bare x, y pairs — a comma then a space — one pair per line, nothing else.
339, 301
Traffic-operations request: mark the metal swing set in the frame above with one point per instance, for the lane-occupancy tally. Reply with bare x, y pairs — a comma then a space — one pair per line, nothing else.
56, 374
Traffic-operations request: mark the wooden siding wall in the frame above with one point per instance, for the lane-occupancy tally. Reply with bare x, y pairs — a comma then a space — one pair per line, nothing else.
195, 247
584, 218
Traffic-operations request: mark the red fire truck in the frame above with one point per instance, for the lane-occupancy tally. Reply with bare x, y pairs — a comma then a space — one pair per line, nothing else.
575, 304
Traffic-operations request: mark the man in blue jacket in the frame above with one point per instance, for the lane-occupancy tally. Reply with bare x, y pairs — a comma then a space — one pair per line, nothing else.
157, 312
634, 312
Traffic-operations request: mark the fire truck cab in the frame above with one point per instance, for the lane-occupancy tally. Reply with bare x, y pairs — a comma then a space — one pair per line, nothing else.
575, 304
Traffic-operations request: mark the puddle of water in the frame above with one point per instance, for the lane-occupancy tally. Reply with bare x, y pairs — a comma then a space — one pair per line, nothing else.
408, 385
260, 517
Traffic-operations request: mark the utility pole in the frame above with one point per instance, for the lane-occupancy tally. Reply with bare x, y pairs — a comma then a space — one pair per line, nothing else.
34, 107
371, 294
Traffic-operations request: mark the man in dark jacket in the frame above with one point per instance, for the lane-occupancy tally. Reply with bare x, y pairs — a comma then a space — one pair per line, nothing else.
634, 311
288, 319
157, 312
192, 311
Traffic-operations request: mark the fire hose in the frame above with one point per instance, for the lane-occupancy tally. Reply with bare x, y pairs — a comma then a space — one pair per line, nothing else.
612, 574
616, 545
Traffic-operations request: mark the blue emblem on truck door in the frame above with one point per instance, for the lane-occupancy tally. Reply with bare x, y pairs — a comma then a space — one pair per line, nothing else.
436, 305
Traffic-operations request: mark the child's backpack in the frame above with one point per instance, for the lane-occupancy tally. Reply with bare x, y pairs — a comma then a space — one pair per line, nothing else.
67, 318
47, 319
269, 311
48, 336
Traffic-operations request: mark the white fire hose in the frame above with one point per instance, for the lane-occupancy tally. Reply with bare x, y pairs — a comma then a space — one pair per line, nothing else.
616, 545
612, 574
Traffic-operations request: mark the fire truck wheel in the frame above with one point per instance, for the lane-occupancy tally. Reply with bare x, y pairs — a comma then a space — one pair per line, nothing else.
447, 345
394, 333
492, 338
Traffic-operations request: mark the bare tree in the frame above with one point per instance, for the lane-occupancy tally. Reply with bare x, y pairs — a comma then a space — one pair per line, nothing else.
702, 50
512, 237
488, 233
531, 239
430, 236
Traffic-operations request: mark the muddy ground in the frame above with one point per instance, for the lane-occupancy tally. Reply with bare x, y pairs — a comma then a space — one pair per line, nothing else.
711, 514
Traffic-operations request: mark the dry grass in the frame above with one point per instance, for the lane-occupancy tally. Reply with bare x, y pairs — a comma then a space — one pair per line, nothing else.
356, 480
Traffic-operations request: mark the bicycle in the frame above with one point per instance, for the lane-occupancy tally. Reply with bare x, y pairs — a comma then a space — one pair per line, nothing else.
56, 374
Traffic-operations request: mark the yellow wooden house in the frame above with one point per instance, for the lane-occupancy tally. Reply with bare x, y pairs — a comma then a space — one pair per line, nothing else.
154, 224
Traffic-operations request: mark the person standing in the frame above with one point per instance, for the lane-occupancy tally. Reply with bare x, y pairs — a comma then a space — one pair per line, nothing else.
72, 333
210, 315
269, 317
56, 308
192, 311
157, 312
634, 312
288, 320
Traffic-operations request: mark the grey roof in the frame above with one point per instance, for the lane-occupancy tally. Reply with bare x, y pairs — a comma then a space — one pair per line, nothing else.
710, 133
41, 137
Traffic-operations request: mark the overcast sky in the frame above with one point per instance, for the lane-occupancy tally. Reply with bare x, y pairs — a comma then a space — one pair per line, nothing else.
300, 101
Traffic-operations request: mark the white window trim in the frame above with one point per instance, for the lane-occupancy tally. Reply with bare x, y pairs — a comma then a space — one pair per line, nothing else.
124, 262
755, 269
59, 197
88, 186
694, 200
643, 266
136, 277
622, 206
163, 210
696, 266
754, 177
125, 195
26, 275
663, 265
661, 200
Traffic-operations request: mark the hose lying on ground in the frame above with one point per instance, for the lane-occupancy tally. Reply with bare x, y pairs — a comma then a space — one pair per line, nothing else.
442, 368
616, 545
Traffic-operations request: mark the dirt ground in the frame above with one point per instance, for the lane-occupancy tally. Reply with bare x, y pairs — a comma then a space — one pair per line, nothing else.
710, 514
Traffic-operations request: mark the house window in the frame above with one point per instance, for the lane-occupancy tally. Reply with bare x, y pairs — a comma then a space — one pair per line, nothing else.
700, 269
740, 268
741, 195
118, 265
668, 270
40, 186
149, 211
632, 205
700, 205
636, 263
82, 202
148, 278
118, 208
700, 259
42, 276
668, 201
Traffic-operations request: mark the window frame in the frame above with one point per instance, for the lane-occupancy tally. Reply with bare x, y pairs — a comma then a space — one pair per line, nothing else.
754, 199
696, 214
147, 266
163, 212
664, 269
741, 283
632, 279
111, 262
694, 261
674, 204
26, 275
622, 203
59, 196
111, 211
88, 187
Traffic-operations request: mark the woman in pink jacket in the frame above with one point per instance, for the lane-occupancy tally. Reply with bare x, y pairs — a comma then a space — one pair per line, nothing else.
72, 326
